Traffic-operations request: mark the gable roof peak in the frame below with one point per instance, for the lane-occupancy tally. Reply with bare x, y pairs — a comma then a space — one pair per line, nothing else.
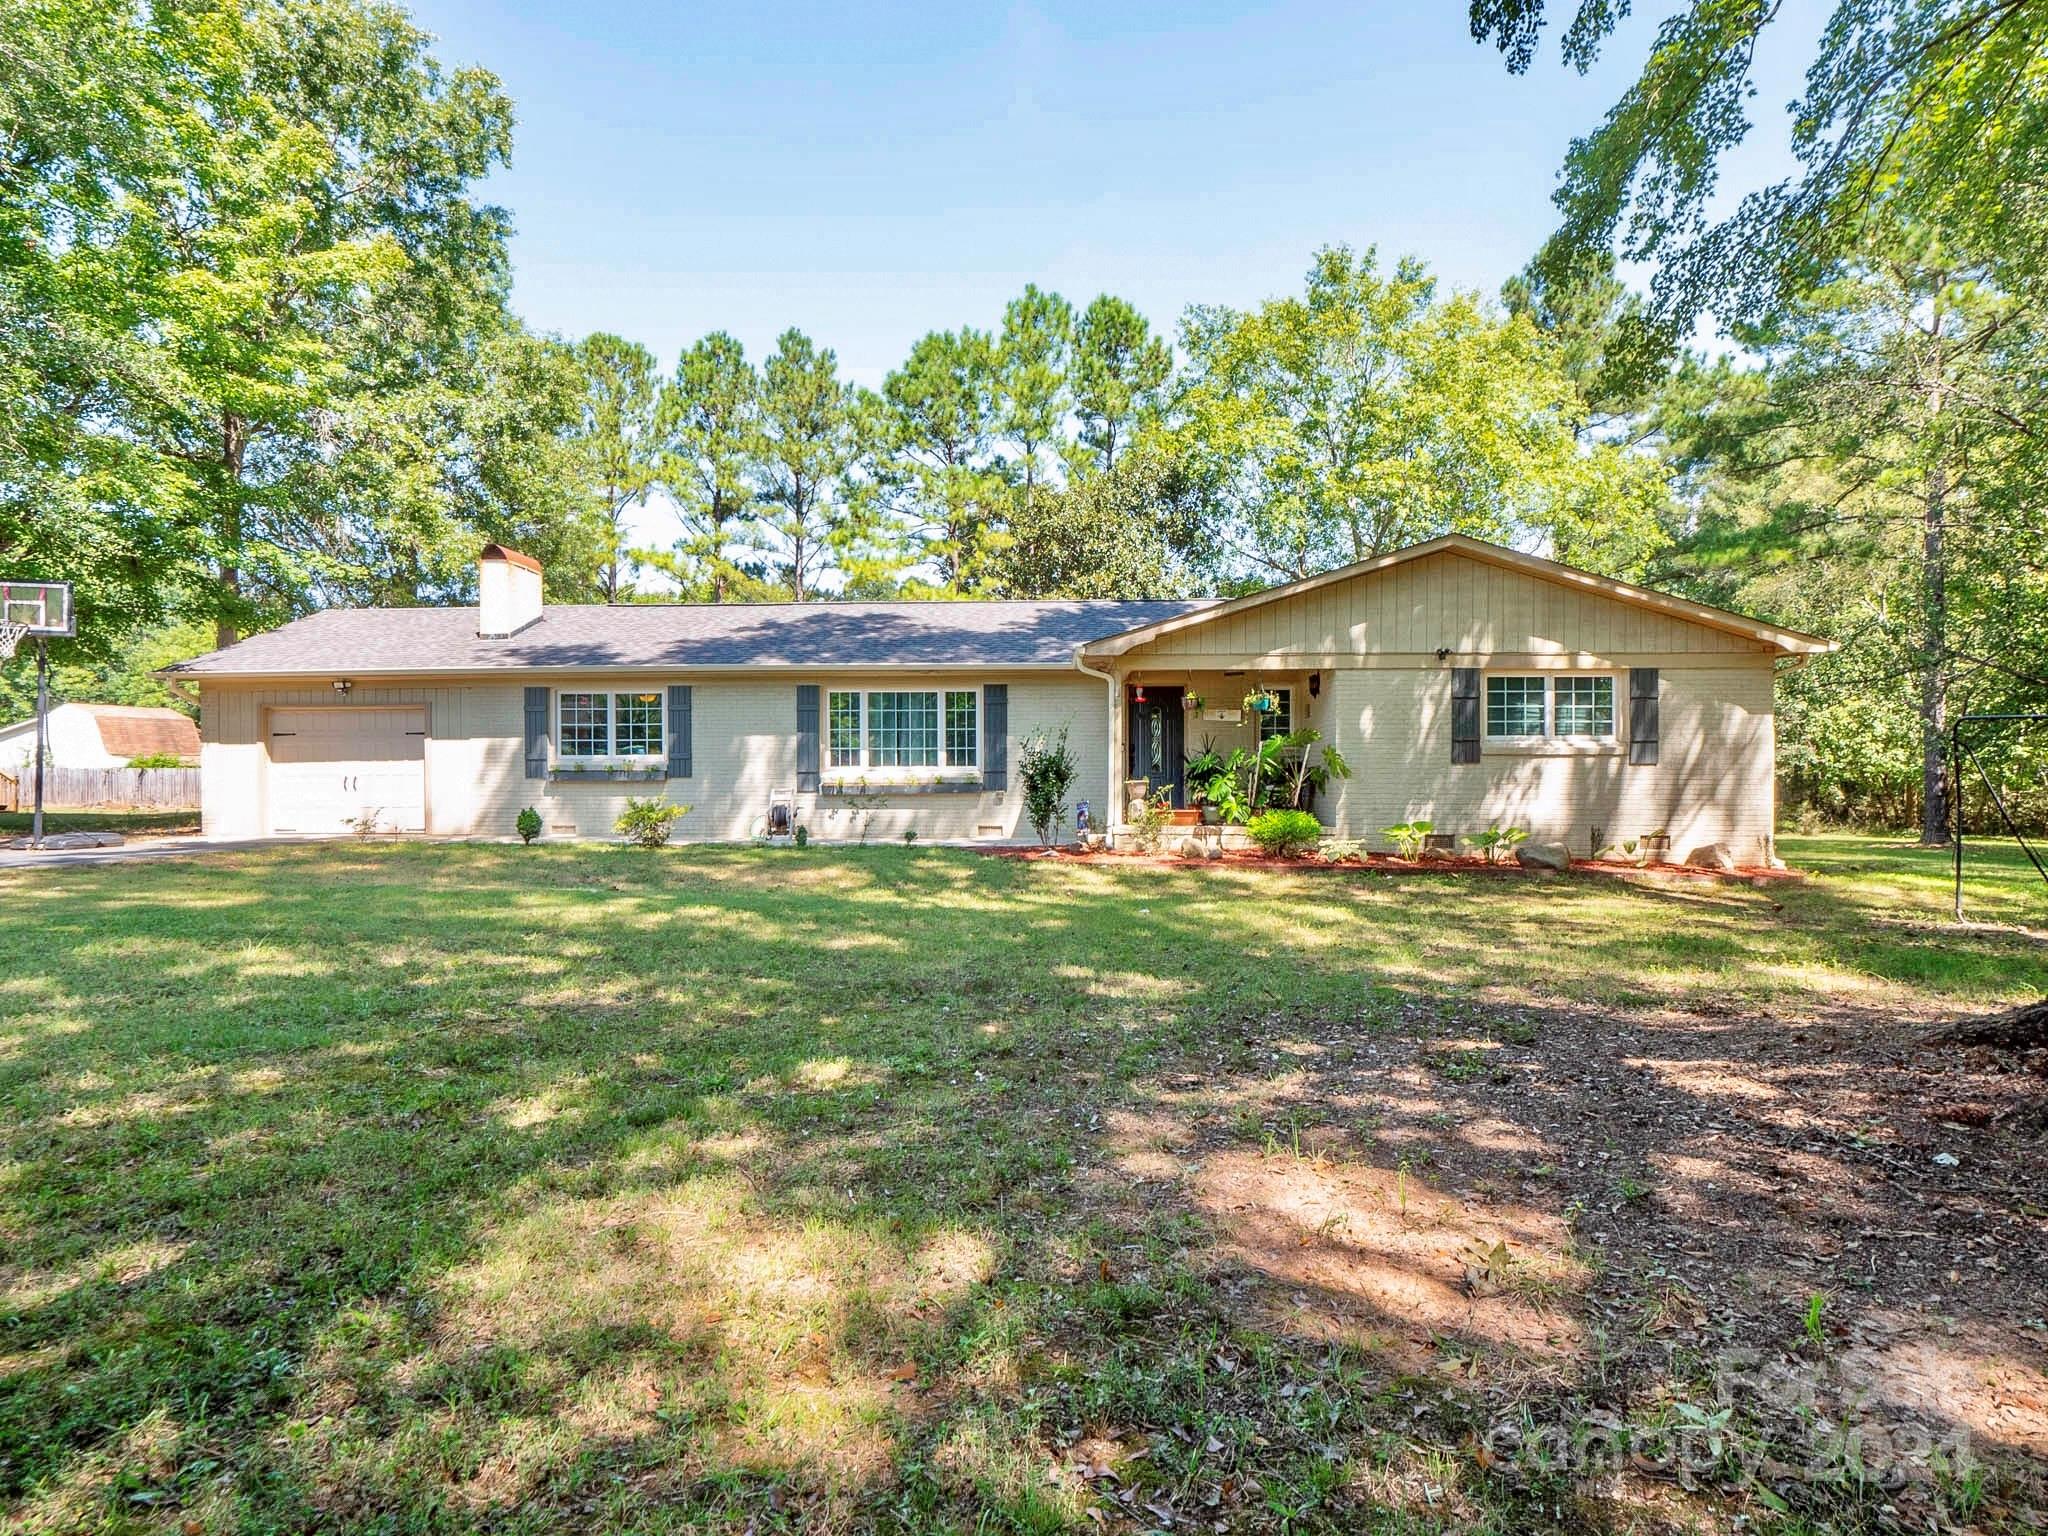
1787, 642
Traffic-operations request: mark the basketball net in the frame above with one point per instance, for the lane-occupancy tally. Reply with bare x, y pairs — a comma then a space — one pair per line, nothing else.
11, 635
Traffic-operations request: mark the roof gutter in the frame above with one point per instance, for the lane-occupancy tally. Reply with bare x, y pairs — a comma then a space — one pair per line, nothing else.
512, 671
176, 689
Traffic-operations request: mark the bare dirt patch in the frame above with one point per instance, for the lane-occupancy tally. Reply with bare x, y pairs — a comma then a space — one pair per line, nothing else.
1655, 1221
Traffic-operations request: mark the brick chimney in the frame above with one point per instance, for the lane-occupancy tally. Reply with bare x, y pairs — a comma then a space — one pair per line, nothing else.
508, 592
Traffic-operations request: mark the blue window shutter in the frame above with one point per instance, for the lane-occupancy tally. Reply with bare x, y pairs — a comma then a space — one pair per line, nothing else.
678, 730
1464, 714
536, 733
995, 736
807, 738
1642, 716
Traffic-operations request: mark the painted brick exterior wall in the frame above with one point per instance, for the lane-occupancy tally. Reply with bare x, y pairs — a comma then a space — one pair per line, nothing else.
744, 751
1712, 781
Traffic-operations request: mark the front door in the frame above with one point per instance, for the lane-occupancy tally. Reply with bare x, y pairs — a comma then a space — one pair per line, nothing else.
1158, 735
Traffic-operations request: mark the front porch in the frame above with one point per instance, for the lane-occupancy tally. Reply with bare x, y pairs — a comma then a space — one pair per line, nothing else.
1167, 717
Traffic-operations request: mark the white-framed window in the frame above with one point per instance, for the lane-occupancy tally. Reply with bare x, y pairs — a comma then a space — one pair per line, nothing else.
1535, 706
842, 745
610, 724
586, 725
1279, 720
1583, 706
963, 728
903, 728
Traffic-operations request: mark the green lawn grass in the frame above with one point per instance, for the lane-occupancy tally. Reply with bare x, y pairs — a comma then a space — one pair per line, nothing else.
441, 1188
131, 823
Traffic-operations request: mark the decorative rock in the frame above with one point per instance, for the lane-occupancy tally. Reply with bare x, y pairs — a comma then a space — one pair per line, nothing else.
1712, 856
1191, 847
1544, 856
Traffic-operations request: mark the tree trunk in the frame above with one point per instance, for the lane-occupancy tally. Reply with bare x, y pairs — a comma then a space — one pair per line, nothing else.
233, 446
1934, 663
2022, 1028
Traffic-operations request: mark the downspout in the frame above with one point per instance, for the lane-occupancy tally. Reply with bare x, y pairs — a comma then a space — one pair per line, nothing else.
176, 689
1112, 813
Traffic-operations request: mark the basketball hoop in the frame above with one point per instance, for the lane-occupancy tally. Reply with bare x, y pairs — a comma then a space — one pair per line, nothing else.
11, 635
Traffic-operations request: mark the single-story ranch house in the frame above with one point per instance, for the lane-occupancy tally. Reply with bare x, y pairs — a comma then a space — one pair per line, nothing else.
1466, 683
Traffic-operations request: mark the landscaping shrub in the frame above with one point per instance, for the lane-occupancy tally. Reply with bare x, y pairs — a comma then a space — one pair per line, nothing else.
648, 822
1150, 827
527, 825
1046, 769
1285, 834
157, 760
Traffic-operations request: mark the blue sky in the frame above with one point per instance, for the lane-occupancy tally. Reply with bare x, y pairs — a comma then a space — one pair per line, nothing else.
871, 172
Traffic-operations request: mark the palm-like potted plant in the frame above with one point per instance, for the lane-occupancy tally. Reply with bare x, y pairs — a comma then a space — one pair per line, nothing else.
1201, 771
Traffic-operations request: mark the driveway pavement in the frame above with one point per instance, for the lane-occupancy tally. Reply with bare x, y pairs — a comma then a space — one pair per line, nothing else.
129, 853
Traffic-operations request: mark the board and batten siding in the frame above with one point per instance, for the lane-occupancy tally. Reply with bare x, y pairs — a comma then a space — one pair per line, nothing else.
1450, 601
743, 754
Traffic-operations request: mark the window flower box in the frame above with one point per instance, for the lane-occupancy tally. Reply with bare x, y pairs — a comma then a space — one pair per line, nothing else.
593, 774
928, 784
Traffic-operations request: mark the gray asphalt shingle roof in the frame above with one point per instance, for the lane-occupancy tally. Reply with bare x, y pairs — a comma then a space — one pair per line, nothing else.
635, 636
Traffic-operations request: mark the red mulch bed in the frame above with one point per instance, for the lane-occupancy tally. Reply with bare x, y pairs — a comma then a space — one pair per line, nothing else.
1388, 864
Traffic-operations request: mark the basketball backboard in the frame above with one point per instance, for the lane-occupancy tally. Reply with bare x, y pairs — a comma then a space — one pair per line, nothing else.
39, 607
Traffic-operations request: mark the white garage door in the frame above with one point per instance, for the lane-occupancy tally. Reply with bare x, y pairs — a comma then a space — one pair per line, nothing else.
329, 766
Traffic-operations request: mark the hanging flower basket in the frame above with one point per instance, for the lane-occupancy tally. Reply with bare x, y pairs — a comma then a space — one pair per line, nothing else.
1262, 702
1191, 701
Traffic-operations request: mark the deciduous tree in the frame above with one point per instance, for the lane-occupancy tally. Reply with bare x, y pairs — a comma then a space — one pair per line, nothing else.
1943, 106
1371, 413
1133, 532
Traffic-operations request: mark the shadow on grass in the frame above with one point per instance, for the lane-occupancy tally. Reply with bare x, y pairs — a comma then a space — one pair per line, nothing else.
486, 1187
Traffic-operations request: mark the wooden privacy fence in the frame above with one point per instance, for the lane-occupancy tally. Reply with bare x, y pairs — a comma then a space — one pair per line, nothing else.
93, 789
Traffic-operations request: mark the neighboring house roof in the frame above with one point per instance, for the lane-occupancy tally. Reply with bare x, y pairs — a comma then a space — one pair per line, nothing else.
127, 730
135, 730
1789, 642
631, 636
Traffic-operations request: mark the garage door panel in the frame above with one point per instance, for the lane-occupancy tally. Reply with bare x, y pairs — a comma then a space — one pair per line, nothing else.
330, 766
